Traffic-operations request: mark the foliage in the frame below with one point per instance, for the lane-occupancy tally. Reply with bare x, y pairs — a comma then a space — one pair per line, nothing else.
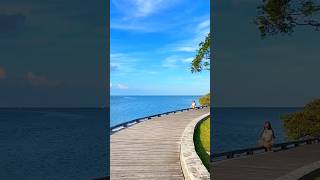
313, 106
205, 100
201, 140
282, 16
202, 59
304, 123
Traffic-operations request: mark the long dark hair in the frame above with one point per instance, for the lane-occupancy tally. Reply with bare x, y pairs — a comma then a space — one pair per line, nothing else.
269, 128
269, 125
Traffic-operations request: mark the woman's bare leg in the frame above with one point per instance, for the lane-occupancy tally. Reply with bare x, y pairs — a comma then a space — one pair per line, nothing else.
269, 147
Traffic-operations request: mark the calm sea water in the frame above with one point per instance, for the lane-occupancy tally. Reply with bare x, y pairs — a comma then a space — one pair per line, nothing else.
126, 108
53, 144
73, 143
231, 129
238, 128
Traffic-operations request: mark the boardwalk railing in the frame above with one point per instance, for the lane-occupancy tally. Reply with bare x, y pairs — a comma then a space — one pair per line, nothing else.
124, 125
251, 151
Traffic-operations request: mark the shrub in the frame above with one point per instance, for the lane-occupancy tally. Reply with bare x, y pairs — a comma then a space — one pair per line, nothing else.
205, 100
303, 123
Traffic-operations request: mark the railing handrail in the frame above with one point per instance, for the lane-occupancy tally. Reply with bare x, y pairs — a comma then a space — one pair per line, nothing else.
124, 125
250, 151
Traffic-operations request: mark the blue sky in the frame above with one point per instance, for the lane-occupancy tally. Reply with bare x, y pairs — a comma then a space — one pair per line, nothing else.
278, 71
152, 45
40, 63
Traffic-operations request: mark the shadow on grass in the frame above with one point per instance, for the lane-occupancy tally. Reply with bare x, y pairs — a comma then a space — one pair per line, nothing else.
201, 139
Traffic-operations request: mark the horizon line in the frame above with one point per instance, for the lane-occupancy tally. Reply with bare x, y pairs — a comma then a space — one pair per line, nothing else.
153, 95
105, 107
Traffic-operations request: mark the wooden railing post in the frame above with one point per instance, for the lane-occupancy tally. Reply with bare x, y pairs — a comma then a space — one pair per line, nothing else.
250, 151
229, 156
283, 146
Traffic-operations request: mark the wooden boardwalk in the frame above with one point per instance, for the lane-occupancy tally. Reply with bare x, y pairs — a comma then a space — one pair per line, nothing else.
150, 149
266, 166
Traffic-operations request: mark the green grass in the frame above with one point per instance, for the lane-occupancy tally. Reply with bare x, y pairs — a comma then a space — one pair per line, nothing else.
201, 140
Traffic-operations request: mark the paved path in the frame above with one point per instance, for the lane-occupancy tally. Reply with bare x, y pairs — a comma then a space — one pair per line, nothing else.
150, 149
266, 166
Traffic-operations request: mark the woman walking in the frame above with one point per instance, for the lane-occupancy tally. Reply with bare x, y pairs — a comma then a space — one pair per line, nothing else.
193, 104
267, 136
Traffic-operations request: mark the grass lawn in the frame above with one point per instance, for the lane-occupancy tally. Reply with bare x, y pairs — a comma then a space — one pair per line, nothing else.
201, 140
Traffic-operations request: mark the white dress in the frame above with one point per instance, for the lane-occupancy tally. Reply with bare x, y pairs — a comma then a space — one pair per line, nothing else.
267, 137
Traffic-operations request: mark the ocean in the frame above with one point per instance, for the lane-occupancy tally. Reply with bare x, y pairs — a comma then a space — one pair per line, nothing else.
238, 128
231, 128
126, 108
44, 143
47, 143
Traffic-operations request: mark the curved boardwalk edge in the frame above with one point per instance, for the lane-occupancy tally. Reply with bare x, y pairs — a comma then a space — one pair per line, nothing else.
127, 124
151, 149
192, 166
303, 172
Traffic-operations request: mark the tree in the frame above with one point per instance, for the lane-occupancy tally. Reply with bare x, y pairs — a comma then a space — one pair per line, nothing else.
205, 100
202, 59
283, 16
303, 123
201, 62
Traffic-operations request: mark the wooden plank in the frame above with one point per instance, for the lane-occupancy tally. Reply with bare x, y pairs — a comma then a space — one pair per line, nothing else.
150, 149
266, 166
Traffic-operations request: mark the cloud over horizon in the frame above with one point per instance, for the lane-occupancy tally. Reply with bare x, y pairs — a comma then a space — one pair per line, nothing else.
3, 73
40, 80
119, 86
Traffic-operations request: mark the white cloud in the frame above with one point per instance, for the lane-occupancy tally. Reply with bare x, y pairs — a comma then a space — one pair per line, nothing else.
203, 28
131, 26
144, 15
36, 79
175, 61
186, 49
198, 32
114, 67
148, 72
204, 25
146, 7
117, 55
142, 8
40, 80
171, 61
122, 86
122, 63
188, 60
118, 86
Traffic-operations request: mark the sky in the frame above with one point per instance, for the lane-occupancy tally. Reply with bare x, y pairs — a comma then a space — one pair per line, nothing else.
278, 71
152, 44
53, 54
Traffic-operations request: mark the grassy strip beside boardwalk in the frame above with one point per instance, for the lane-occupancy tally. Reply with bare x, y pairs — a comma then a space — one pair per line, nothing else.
201, 140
